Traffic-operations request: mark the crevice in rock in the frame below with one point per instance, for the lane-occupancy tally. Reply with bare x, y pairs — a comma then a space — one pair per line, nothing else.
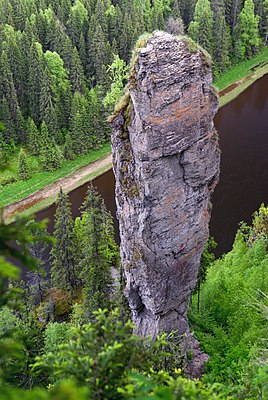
166, 164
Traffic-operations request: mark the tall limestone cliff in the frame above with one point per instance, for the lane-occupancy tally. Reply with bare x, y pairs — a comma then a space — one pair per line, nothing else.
166, 164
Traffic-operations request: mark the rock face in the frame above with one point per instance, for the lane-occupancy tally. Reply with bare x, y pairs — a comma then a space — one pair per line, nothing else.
166, 164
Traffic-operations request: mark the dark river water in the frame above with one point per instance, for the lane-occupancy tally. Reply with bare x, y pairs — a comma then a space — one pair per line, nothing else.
242, 126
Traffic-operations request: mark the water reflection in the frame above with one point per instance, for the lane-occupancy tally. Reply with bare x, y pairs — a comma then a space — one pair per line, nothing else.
243, 131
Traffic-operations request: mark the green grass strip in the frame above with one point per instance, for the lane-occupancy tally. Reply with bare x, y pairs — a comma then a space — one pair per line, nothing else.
51, 199
241, 70
19, 190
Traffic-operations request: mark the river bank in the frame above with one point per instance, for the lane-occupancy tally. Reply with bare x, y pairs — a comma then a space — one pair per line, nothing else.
46, 195
239, 77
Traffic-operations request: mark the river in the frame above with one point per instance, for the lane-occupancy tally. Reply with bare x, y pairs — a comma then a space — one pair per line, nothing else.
242, 126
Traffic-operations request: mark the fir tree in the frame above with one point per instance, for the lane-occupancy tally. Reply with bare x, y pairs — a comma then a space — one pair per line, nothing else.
36, 72
33, 138
98, 250
76, 73
46, 97
68, 148
200, 28
247, 32
64, 264
9, 133
222, 42
50, 154
12, 105
80, 126
23, 169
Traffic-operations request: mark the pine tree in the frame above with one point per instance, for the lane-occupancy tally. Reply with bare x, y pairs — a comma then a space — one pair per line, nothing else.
68, 152
14, 115
46, 97
222, 42
50, 154
200, 28
9, 133
35, 78
247, 32
64, 264
23, 169
33, 138
98, 250
80, 125
39, 250
76, 73
232, 10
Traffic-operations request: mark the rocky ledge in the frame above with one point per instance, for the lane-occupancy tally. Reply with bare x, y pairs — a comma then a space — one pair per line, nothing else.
166, 164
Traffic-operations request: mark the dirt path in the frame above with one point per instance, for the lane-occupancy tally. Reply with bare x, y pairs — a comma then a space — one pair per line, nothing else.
71, 181
67, 183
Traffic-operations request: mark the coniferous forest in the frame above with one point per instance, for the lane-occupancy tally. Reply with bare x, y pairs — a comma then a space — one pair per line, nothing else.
64, 64
65, 329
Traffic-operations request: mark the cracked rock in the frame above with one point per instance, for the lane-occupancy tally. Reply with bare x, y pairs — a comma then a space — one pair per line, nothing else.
166, 165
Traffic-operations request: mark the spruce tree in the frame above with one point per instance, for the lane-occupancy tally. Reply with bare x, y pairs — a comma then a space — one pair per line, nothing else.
12, 105
64, 251
98, 250
50, 154
35, 78
9, 133
222, 42
33, 138
80, 126
247, 32
46, 97
200, 28
68, 148
76, 73
23, 169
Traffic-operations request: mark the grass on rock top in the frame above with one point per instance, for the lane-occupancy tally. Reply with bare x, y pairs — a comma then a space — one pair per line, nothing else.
20, 189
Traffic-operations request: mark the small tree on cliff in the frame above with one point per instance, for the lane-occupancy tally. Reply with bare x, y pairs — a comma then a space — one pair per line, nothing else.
23, 169
98, 250
64, 250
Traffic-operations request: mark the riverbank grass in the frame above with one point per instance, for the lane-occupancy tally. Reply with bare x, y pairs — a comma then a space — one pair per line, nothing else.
29, 212
242, 70
16, 191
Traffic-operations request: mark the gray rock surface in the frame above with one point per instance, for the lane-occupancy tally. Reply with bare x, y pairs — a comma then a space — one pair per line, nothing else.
166, 164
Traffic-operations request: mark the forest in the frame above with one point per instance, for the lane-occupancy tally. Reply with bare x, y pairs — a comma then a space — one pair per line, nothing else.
64, 65
65, 327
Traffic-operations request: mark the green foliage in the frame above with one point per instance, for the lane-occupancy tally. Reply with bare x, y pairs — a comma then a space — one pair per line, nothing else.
118, 73
52, 52
23, 171
65, 391
200, 28
33, 137
64, 253
229, 324
105, 357
50, 154
55, 335
103, 350
15, 355
240, 70
20, 189
97, 249
247, 31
